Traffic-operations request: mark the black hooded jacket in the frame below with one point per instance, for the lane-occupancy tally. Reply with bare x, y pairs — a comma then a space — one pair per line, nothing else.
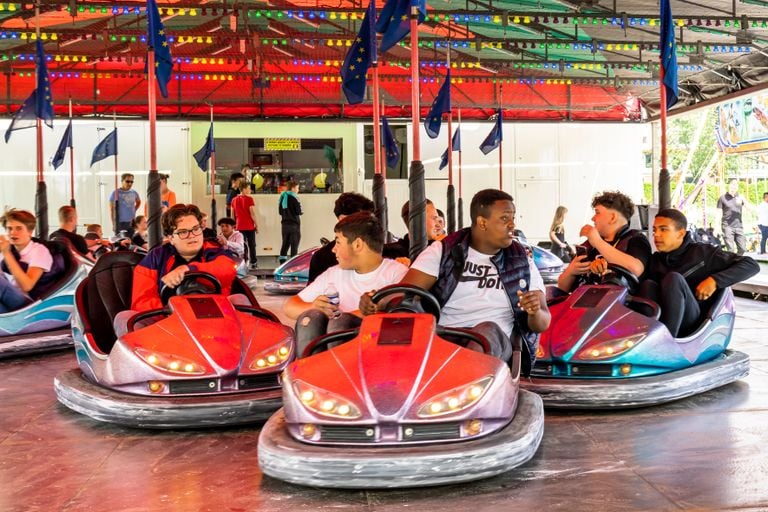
696, 261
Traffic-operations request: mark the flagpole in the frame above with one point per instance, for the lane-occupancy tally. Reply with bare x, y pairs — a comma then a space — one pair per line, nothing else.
213, 179
417, 225
71, 164
501, 145
153, 187
664, 187
451, 192
461, 200
41, 194
117, 191
383, 162
378, 176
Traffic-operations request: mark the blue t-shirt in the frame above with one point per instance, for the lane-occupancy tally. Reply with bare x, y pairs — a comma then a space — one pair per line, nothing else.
126, 207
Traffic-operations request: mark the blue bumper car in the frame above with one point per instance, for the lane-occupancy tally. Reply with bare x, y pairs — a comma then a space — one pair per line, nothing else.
608, 349
292, 276
44, 324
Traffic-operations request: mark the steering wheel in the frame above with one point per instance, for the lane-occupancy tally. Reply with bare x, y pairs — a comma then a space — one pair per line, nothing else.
191, 285
320, 344
617, 275
416, 300
463, 337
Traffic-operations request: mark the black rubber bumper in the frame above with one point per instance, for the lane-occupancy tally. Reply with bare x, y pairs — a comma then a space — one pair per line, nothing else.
566, 393
35, 343
284, 287
85, 397
348, 467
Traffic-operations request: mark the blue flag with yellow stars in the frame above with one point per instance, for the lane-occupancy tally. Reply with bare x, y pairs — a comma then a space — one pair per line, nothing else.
494, 138
107, 147
395, 22
66, 142
157, 39
440, 106
24, 117
204, 153
44, 100
668, 55
455, 145
39, 104
359, 58
391, 147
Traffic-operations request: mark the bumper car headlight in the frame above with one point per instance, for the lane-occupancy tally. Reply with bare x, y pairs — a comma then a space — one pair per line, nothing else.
170, 363
275, 356
456, 399
325, 403
610, 349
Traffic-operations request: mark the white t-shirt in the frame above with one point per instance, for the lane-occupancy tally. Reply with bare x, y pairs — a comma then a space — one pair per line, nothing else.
352, 285
762, 214
480, 295
34, 255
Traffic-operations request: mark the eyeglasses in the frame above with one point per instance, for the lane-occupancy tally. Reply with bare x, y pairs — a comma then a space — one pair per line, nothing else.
186, 233
129, 181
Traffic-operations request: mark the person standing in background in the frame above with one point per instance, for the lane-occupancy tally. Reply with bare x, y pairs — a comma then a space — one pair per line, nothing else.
731, 204
244, 212
762, 221
233, 190
560, 247
167, 196
289, 208
128, 201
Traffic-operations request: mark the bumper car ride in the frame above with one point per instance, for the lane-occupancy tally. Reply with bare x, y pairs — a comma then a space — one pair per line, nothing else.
205, 361
399, 406
43, 325
292, 276
607, 349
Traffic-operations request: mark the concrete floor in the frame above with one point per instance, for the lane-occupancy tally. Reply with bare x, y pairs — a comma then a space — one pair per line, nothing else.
705, 453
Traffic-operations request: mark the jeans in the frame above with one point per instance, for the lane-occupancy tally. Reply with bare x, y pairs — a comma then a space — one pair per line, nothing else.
11, 297
313, 323
763, 237
250, 246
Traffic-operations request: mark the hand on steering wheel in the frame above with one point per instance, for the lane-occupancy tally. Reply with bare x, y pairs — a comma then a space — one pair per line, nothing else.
615, 274
415, 300
192, 283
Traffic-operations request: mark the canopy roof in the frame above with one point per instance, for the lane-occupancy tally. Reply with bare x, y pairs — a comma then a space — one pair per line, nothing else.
539, 59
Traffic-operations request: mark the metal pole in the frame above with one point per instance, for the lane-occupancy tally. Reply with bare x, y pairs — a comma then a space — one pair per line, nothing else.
417, 225
153, 187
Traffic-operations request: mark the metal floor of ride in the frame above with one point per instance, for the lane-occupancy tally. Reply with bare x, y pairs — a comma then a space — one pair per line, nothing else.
703, 453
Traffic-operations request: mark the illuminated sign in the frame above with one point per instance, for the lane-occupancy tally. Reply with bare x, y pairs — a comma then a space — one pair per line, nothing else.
283, 144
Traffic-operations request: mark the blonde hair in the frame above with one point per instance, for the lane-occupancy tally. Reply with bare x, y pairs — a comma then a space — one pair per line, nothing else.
559, 218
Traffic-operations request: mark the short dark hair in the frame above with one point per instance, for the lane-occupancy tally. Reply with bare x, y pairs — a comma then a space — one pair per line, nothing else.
22, 216
226, 220
615, 200
126, 175
364, 226
177, 211
352, 202
676, 216
67, 213
483, 200
405, 211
